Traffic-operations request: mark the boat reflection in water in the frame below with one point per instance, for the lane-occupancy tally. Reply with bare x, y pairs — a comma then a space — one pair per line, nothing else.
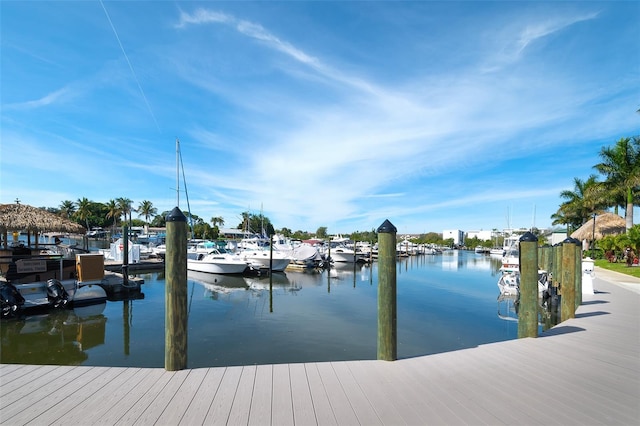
59, 337
218, 284
548, 310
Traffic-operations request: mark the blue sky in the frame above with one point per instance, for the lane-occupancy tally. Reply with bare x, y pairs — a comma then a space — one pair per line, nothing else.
434, 115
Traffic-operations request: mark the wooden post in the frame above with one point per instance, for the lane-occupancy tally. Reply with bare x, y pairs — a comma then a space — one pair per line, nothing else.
557, 267
387, 309
567, 283
125, 255
578, 274
175, 346
528, 312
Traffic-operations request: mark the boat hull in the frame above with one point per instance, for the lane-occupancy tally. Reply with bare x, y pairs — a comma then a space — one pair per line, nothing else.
216, 266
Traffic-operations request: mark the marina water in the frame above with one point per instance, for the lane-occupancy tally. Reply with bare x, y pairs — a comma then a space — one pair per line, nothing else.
446, 302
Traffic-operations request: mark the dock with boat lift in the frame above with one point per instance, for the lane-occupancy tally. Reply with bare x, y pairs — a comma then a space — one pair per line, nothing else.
585, 370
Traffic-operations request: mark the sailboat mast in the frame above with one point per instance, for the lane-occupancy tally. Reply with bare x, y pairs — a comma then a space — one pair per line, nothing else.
177, 172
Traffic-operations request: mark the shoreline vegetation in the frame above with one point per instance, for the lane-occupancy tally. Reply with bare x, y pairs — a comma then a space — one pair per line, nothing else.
620, 267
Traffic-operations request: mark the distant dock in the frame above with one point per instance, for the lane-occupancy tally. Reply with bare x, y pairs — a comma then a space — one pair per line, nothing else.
585, 370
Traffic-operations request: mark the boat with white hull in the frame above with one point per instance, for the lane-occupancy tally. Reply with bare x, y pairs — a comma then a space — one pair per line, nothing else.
215, 262
509, 282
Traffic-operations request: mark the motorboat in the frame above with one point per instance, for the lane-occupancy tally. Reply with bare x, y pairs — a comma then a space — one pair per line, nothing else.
344, 254
264, 259
217, 261
21, 293
302, 255
258, 253
509, 282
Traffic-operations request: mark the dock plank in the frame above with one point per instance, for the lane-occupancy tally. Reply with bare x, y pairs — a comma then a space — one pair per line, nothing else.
282, 399
143, 397
322, 406
202, 400
260, 412
241, 407
179, 404
303, 412
223, 400
583, 371
338, 399
48, 394
61, 404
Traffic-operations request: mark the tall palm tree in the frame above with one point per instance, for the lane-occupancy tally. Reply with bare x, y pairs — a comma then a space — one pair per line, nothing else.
215, 221
621, 167
146, 210
586, 199
113, 211
84, 210
124, 204
67, 209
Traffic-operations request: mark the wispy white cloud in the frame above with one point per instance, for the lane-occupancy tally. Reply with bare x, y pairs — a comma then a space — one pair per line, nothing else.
59, 96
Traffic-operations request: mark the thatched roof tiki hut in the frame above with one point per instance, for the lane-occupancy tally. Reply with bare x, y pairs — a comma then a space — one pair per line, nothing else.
21, 217
605, 224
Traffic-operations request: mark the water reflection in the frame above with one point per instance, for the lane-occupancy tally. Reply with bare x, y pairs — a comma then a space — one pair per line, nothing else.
445, 302
60, 337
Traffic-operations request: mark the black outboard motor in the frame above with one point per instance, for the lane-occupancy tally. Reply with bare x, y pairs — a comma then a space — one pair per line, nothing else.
10, 299
57, 295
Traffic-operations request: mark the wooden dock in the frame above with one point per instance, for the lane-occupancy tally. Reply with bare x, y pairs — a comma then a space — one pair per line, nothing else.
584, 371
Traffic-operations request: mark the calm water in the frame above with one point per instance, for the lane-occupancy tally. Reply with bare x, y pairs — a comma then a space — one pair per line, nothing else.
445, 302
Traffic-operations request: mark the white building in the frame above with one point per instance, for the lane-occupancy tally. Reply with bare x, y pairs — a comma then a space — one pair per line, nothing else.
481, 235
456, 234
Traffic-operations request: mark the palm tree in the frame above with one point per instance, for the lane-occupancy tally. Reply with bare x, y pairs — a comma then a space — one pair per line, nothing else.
84, 210
67, 209
621, 167
586, 199
147, 210
215, 221
124, 204
113, 211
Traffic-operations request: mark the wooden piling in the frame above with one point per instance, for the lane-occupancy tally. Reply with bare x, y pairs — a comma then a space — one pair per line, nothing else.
567, 283
578, 273
528, 311
557, 267
387, 302
175, 354
125, 255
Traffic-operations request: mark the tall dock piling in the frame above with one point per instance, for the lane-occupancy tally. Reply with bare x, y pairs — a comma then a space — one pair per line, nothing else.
125, 255
528, 313
578, 274
175, 346
568, 281
387, 302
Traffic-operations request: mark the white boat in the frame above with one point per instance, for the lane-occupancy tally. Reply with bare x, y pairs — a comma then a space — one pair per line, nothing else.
509, 282
215, 262
344, 254
257, 253
303, 255
265, 259
497, 252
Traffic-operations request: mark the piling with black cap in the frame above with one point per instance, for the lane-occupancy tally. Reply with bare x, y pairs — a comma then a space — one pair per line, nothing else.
568, 281
175, 347
387, 301
528, 310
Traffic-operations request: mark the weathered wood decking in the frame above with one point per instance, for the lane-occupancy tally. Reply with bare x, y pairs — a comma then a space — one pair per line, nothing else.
583, 371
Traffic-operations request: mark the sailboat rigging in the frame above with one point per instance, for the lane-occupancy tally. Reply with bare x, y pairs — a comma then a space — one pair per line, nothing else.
180, 166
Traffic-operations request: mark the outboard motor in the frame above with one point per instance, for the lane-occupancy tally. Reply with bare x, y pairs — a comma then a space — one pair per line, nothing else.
57, 295
10, 299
